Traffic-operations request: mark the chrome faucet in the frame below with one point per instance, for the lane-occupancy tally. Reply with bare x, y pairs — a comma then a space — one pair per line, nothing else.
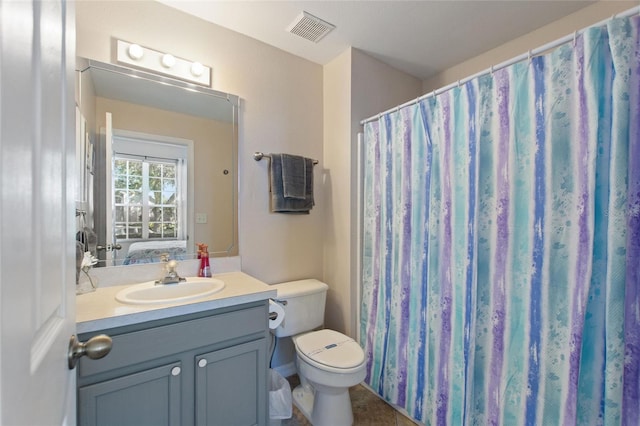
169, 273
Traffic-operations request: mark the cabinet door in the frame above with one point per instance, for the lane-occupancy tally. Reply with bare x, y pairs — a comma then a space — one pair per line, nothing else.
150, 397
231, 386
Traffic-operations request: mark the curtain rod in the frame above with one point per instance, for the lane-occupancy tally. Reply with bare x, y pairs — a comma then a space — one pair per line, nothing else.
531, 53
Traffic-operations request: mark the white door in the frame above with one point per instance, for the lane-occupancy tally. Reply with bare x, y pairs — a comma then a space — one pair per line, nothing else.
37, 248
108, 168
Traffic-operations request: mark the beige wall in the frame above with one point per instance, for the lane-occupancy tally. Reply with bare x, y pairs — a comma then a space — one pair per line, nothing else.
337, 191
576, 21
281, 111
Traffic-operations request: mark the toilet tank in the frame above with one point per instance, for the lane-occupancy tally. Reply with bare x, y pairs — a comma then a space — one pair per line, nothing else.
303, 303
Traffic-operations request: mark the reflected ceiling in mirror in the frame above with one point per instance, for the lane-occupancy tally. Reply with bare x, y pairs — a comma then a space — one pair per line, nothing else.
163, 109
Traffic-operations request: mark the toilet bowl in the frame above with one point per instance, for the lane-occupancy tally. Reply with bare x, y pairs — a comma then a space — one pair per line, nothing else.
327, 362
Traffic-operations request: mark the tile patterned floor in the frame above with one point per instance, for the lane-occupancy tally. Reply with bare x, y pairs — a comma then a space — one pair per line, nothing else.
368, 409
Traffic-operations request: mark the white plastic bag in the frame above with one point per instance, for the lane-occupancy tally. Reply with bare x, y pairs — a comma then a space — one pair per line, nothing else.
280, 403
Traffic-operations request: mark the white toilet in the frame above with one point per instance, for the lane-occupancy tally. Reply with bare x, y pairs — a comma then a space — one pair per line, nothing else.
328, 362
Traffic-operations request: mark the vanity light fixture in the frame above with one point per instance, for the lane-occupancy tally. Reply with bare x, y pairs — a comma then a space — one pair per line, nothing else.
163, 63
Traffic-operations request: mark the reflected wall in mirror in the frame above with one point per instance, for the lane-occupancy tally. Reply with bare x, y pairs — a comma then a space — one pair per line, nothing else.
158, 166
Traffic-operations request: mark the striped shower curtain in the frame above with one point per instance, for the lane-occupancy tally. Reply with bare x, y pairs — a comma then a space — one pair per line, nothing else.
501, 243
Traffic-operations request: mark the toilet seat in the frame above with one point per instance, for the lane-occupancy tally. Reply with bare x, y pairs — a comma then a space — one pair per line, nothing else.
330, 350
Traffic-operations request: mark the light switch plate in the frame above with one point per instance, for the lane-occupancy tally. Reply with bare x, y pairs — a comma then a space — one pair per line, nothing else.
201, 218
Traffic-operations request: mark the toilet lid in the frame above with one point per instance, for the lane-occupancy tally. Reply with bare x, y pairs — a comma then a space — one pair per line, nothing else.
330, 348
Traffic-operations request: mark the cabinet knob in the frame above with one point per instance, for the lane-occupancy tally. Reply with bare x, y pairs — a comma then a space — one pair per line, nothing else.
175, 371
95, 348
202, 363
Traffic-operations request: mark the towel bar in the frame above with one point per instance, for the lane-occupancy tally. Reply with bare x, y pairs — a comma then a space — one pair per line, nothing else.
259, 156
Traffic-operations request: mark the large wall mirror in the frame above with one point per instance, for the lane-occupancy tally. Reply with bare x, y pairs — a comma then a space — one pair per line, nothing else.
158, 166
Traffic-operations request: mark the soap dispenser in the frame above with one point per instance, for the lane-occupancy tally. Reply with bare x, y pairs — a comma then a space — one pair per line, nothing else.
200, 264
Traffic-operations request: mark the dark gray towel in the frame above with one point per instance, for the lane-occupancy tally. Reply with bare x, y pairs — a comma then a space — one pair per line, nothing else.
294, 176
282, 204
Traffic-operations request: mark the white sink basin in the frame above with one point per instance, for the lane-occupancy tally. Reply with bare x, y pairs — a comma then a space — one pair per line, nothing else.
150, 293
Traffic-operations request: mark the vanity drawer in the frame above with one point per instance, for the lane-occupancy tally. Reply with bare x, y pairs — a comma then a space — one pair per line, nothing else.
130, 348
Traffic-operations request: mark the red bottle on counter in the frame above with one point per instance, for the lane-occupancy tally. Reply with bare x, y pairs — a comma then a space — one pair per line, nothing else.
205, 267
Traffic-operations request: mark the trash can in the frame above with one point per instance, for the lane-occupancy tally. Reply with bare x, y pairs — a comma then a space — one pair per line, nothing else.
280, 403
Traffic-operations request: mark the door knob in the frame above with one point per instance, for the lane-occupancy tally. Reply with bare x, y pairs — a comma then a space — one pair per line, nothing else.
95, 348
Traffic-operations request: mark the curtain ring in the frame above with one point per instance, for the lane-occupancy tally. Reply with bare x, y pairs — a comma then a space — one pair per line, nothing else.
575, 37
529, 56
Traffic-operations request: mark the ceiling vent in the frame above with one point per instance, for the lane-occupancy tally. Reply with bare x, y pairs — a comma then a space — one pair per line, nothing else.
310, 27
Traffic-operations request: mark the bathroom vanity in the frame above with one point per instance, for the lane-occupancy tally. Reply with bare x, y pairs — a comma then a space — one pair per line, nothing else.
201, 363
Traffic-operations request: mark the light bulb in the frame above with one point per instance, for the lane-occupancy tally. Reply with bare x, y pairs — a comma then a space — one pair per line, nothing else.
197, 69
135, 51
168, 60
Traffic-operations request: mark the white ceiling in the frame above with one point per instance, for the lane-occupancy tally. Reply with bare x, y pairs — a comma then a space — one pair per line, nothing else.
421, 38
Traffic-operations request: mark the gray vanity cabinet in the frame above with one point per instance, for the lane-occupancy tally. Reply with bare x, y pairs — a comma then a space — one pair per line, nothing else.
156, 393
230, 378
207, 368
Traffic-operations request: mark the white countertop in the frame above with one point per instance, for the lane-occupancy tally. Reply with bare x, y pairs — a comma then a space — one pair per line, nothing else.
99, 310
